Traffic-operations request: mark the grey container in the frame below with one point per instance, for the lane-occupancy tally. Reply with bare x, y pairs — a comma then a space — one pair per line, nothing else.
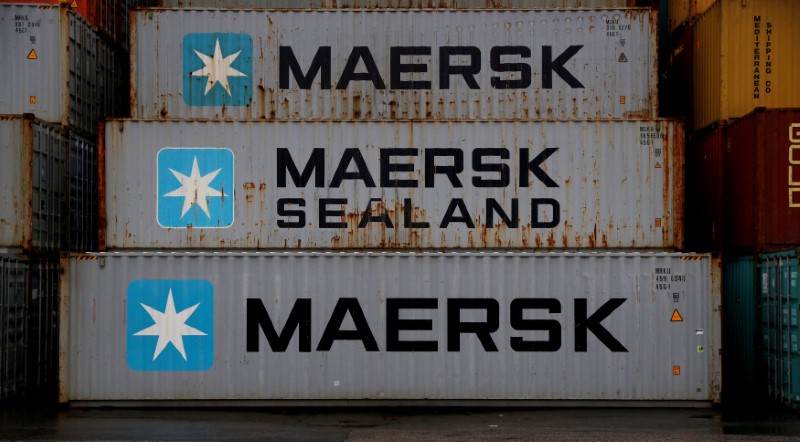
379, 4
57, 67
283, 185
525, 64
29, 288
531, 328
48, 174
13, 313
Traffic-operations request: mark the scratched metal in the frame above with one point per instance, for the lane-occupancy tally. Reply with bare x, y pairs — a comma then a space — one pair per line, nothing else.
74, 79
618, 184
663, 360
616, 64
415, 4
34, 174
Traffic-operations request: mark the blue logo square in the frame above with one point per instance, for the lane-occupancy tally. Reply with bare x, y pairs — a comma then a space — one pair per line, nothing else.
217, 69
170, 325
195, 187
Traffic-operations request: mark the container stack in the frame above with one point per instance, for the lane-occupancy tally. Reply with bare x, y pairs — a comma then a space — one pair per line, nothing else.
61, 76
395, 204
731, 74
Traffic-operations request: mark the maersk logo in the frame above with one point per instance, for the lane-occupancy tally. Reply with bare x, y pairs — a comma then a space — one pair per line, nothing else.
195, 187
217, 69
170, 325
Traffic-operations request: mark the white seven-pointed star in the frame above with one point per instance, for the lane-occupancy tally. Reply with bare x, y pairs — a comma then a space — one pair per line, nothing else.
218, 68
170, 327
195, 188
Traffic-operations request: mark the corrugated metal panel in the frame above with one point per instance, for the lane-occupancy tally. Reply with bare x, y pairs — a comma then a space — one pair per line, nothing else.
705, 203
82, 194
547, 64
680, 12
609, 184
553, 326
411, 4
49, 174
740, 329
762, 190
43, 322
780, 326
13, 312
744, 58
51, 67
109, 16
34, 175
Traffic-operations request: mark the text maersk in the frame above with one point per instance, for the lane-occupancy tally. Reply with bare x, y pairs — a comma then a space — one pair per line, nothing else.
259, 322
456, 63
414, 168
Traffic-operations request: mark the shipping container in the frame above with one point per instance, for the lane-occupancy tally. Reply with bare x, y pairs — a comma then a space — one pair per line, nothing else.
390, 64
28, 325
411, 185
762, 181
780, 326
110, 17
411, 327
743, 58
56, 66
740, 327
682, 12
394, 4
49, 177
13, 303
705, 176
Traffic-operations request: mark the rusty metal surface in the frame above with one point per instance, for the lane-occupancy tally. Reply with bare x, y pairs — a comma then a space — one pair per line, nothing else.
598, 184
762, 181
744, 58
378, 4
632, 297
57, 67
548, 64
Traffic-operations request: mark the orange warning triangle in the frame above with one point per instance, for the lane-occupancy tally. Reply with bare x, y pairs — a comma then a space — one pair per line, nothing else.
658, 165
676, 317
32, 55
74, 4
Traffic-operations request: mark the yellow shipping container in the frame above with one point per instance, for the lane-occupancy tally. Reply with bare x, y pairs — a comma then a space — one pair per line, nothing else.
681, 11
745, 56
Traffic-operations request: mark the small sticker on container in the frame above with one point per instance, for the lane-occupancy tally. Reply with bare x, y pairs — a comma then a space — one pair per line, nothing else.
699, 348
621, 99
676, 370
658, 222
676, 316
33, 99
32, 55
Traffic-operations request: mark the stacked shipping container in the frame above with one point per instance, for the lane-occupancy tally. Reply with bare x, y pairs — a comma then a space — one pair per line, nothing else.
60, 76
392, 129
731, 74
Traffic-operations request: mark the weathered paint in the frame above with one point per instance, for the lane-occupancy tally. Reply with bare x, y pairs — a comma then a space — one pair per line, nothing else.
744, 58
605, 59
110, 17
13, 299
631, 296
394, 4
762, 181
56, 67
48, 176
598, 184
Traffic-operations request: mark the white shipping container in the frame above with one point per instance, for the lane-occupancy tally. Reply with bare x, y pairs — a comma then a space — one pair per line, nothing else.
394, 64
156, 328
286, 185
55, 65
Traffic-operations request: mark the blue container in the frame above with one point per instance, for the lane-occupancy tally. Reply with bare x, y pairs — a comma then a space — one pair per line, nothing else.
741, 330
780, 326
